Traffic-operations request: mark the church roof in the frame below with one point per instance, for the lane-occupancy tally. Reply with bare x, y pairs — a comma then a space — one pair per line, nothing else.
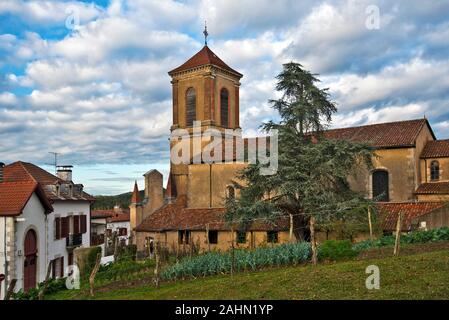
436, 149
433, 188
383, 135
135, 198
204, 57
176, 216
389, 212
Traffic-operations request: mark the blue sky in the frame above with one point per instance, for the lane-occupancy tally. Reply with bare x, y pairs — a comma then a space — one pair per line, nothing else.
100, 95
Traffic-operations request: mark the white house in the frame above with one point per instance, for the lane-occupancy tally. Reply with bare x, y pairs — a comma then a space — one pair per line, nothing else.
106, 222
54, 234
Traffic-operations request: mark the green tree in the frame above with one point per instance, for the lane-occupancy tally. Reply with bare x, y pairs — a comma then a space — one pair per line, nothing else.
311, 181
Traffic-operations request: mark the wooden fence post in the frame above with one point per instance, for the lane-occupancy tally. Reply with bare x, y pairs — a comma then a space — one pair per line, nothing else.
11, 287
398, 235
47, 278
312, 241
94, 273
291, 229
207, 237
370, 224
232, 251
156, 268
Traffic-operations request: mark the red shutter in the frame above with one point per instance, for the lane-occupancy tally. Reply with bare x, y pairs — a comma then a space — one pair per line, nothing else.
57, 228
62, 267
53, 269
76, 224
83, 223
64, 227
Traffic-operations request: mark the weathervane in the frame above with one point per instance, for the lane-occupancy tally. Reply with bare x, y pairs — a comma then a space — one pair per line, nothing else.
205, 33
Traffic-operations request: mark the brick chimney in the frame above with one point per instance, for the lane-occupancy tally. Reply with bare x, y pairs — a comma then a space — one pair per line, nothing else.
2, 166
65, 173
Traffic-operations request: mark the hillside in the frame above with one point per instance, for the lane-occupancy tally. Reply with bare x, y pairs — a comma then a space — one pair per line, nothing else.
414, 276
108, 202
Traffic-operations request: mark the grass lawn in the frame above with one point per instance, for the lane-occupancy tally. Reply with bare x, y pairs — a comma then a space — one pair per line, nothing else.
415, 276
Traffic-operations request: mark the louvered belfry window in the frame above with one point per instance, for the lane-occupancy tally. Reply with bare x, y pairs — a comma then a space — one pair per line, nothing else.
224, 107
190, 106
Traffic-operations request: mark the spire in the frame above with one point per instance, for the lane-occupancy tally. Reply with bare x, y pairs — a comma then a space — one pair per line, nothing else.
135, 198
205, 33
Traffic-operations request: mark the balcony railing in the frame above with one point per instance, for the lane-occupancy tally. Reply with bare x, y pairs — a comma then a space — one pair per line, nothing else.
97, 239
74, 240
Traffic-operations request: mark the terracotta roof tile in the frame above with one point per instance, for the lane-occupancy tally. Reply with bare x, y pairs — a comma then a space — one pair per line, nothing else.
382, 135
119, 217
436, 149
204, 57
433, 188
15, 195
176, 216
389, 213
24, 171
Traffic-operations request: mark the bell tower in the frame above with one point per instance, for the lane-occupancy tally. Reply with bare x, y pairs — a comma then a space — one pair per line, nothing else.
204, 89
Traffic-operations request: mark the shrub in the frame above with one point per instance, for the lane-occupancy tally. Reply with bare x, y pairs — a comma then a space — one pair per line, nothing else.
435, 235
90, 261
215, 262
123, 270
54, 285
336, 250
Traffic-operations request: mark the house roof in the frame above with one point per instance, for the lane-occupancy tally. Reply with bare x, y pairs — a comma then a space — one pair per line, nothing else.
175, 216
389, 212
204, 57
24, 171
383, 135
15, 195
433, 188
101, 214
436, 149
119, 217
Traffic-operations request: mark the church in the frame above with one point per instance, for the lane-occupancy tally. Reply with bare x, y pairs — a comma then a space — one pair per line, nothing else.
411, 170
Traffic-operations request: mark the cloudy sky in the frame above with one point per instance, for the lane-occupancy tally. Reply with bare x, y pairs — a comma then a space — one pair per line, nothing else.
89, 79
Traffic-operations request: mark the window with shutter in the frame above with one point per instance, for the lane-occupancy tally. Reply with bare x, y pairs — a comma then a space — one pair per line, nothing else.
224, 107
83, 223
190, 106
76, 224
64, 227
57, 228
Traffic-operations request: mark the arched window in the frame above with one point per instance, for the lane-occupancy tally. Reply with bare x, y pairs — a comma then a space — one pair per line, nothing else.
381, 186
230, 192
190, 106
224, 107
435, 170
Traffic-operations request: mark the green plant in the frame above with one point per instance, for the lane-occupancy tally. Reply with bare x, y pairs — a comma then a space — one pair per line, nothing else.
216, 263
91, 260
336, 250
54, 286
435, 235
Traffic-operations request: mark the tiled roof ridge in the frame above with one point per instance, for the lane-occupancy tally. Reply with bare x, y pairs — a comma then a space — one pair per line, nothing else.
377, 124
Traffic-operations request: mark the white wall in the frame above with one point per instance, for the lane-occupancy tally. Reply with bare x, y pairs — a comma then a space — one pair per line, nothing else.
57, 248
35, 219
114, 226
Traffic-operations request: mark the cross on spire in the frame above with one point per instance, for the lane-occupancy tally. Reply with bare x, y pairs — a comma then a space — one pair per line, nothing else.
205, 33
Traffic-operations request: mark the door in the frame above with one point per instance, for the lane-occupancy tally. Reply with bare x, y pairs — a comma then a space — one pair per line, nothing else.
30, 262
381, 186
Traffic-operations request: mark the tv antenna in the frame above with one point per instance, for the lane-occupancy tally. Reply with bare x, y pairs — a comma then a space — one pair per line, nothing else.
55, 163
